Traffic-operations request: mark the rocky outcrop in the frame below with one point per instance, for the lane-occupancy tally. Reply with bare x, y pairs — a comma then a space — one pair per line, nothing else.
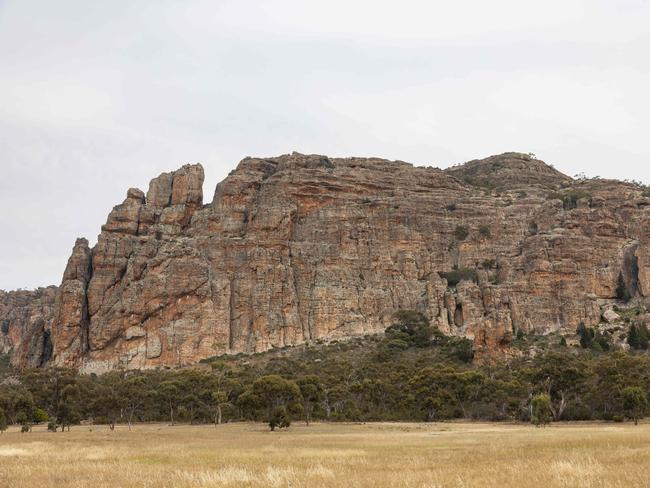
25, 317
301, 248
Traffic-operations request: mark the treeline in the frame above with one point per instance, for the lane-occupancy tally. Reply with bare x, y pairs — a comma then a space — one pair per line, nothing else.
412, 373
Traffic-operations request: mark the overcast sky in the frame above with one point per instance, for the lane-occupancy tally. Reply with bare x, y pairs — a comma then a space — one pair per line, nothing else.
96, 97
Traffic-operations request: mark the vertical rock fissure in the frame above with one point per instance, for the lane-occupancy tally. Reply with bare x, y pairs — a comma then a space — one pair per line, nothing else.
231, 318
85, 319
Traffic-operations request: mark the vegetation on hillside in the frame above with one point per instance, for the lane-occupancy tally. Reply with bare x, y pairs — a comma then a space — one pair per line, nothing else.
411, 373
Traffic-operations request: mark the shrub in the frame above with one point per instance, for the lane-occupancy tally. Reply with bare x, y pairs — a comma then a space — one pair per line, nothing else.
409, 328
635, 402
279, 418
457, 275
397, 344
541, 408
489, 263
593, 339
461, 232
485, 231
638, 337
460, 348
40, 416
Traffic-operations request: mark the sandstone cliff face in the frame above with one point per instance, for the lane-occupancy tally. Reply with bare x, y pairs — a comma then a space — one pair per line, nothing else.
24, 325
302, 248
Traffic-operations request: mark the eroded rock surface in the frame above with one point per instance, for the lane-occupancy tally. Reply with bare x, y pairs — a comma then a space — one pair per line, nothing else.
300, 248
25, 317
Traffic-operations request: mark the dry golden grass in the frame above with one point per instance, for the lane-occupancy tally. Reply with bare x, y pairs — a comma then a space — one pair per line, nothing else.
332, 455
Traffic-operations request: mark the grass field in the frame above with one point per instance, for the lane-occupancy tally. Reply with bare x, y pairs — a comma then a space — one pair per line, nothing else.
336, 455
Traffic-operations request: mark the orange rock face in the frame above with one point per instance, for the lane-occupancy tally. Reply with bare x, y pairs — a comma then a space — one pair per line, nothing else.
302, 248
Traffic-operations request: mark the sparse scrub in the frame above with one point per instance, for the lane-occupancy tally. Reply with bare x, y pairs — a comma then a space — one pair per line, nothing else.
484, 231
461, 232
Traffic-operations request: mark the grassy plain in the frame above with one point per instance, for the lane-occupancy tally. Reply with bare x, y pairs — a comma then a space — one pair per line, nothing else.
459, 455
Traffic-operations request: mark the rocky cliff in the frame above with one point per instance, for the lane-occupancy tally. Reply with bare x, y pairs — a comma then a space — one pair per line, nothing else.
302, 248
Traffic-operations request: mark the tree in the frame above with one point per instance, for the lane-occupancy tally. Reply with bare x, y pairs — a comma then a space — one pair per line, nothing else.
561, 377
586, 335
638, 337
272, 393
412, 327
107, 404
635, 403
3, 421
311, 390
541, 409
23, 420
280, 418
222, 387
134, 393
168, 392
67, 411
40, 416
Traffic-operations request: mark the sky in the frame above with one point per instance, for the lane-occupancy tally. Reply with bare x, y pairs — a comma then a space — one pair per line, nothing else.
97, 97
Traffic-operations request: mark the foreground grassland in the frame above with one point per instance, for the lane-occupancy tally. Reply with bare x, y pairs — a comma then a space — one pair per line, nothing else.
332, 455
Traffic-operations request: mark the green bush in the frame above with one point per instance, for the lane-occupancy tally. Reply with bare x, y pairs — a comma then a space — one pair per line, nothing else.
280, 419
541, 408
40, 416
409, 328
638, 337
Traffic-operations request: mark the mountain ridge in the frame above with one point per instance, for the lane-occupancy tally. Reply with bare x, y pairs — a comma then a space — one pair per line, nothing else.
299, 247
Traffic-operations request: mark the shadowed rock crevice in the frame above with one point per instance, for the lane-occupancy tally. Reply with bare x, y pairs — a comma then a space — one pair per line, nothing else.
630, 269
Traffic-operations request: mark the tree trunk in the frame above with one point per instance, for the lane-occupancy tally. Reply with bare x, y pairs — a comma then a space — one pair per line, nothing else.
219, 414
171, 414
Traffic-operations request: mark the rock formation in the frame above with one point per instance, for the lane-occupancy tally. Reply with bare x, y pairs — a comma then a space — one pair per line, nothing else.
303, 248
25, 318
